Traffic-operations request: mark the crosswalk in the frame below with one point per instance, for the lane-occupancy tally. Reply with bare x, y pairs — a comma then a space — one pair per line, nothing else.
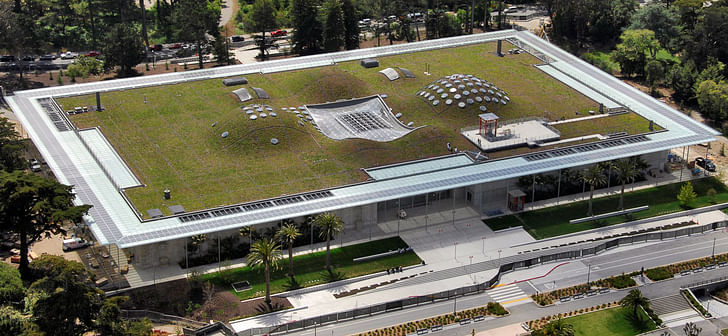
506, 294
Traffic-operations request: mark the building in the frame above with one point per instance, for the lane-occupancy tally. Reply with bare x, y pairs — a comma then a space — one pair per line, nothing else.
98, 173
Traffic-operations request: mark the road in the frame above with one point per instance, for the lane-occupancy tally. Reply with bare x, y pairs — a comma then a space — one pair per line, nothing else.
607, 264
226, 12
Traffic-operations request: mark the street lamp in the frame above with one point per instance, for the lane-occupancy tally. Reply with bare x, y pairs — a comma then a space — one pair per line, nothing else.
456, 250
713, 249
587, 275
483, 239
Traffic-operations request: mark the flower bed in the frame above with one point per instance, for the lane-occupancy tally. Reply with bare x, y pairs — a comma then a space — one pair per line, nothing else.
696, 263
493, 308
618, 282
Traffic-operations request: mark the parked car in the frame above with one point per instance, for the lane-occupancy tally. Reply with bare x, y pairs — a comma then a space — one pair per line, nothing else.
237, 38
156, 47
176, 46
68, 55
48, 57
35, 165
278, 32
91, 53
705, 164
7, 58
74, 243
28, 58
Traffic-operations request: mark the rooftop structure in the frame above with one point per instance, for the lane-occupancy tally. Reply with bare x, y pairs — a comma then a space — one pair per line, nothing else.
400, 168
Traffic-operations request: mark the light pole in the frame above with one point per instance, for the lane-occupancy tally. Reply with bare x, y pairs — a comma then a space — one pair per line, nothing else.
483, 239
713, 249
588, 273
456, 250
499, 255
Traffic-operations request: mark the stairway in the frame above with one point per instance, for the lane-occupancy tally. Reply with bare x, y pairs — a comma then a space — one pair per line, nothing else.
674, 310
670, 304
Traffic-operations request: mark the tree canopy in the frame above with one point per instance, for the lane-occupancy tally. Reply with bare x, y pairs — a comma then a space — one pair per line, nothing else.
124, 47
33, 207
193, 20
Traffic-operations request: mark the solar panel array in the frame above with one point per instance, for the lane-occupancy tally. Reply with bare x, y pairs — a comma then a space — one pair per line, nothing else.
235, 209
51, 108
585, 148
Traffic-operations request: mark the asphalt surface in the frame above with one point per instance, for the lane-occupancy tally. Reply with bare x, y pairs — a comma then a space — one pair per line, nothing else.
607, 264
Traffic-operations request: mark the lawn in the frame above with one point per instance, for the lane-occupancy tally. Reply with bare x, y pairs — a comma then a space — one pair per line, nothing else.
166, 137
554, 221
610, 322
310, 269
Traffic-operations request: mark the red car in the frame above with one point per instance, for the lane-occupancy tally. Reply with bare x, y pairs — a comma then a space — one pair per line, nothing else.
278, 32
91, 54
176, 46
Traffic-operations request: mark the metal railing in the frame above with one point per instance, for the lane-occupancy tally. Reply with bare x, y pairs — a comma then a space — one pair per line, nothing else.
160, 318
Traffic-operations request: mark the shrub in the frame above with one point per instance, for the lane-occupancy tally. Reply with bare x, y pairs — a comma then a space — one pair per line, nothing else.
621, 281
659, 273
496, 308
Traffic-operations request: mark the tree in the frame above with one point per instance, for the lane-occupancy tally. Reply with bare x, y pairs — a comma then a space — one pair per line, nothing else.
110, 323
11, 148
262, 18
687, 195
17, 33
632, 53
11, 286
84, 66
655, 72
194, 20
634, 300
66, 300
12, 322
33, 207
265, 253
123, 47
288, 234
659, 19
351, 25
308, 31
556, 328
594, 177
682, 80
221, 50
330, 225
334, 29
626, 172
690, 329
713, 100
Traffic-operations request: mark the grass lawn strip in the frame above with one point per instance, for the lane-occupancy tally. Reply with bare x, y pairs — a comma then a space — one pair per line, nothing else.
554, 221
310, 268
165, 133
610, 322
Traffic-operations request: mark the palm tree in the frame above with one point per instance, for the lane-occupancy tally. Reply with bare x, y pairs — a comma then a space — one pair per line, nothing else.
558, 328
626, 172
266, 253
594, 177
287, 234
634, 300
330, 225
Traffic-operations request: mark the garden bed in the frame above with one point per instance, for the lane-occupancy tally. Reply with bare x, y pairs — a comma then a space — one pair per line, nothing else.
617, 282
492, 309
310, 269
554, 221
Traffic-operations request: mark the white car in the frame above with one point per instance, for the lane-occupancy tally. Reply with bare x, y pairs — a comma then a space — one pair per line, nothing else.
35, 165
68, 55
